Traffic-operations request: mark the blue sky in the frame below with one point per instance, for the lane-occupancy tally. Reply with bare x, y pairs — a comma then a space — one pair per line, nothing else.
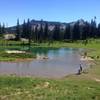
51, 10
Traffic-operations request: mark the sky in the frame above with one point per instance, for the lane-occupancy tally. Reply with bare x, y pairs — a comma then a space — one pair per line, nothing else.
49, 10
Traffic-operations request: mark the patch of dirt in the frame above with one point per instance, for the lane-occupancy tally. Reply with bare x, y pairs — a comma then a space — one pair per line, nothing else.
97, 80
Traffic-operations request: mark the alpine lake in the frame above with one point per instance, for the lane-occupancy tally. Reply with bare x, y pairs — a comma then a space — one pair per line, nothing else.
49, 63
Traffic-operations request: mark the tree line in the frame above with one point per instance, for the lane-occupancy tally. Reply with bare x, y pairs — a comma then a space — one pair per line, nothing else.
42, 32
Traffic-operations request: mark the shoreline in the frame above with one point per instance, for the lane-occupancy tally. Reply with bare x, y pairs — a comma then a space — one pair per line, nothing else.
19, 60
16, 56
88, 59
16, 60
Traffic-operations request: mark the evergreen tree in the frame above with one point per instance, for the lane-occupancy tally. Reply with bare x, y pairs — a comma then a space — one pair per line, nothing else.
50, 36
36, 33
29, 32
41, 33
98, 31
86, 31
33, 33
18, 36
24, 30
76, 32
0, 29
56, 33
46, 31
67, 33
3, 29
93, 29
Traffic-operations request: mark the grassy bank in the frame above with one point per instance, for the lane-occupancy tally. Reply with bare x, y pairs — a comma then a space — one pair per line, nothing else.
75, 87
15, 56
83, 87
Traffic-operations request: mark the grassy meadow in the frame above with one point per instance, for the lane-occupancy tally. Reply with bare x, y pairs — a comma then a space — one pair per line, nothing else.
74, 87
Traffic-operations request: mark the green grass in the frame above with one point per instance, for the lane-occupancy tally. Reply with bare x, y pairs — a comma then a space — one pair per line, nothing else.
16, 88
13, 56
73, 87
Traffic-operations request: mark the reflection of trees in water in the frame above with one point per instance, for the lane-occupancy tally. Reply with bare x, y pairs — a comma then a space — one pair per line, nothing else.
67, 61
34, 50
41, 50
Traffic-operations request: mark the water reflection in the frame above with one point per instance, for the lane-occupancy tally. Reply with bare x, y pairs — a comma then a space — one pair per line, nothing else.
61, 62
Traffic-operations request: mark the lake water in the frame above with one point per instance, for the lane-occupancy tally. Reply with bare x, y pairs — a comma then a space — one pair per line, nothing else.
60, 62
